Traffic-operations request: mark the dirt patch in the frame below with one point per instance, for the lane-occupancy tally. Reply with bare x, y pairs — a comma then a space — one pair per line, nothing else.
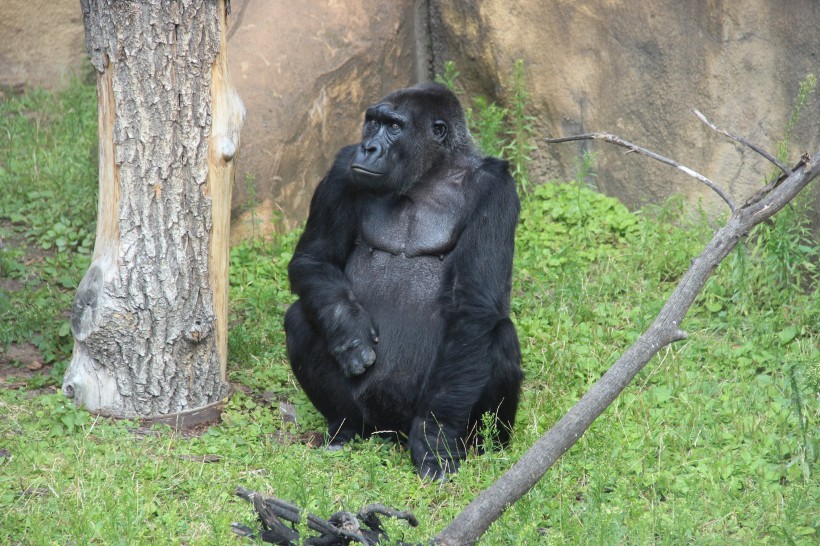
11, 285
18, 363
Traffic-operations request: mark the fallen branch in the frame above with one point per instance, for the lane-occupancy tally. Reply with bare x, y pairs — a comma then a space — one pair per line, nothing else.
476, 518
343, 527
618, 141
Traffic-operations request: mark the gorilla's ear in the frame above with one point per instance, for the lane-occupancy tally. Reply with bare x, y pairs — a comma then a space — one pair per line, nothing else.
439, 130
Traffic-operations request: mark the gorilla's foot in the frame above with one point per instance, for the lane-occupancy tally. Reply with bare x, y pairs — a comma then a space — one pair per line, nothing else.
338, 434
435, 469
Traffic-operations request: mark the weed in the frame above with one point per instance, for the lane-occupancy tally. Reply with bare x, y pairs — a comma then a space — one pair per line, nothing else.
487, 122
784, 253
521, 130
48, 181
585, 175
449, 76
505, 132
805, 91
251, 204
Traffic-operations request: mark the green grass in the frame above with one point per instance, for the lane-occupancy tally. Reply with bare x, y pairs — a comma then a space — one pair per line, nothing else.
48, 184
714, 443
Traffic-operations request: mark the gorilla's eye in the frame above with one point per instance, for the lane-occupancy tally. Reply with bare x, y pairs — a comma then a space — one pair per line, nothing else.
394, 126
439, 129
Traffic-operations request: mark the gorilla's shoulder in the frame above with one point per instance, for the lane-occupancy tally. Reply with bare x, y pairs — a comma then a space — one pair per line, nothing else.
338, 176
494, 166
343, 158
333, 187
494, 172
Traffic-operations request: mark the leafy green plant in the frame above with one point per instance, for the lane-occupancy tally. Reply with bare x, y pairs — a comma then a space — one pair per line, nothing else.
521, 132
65, 418
48, 143
48, 181
505, 132
782, 255
595, 222
487, 122
63, 236
449, 76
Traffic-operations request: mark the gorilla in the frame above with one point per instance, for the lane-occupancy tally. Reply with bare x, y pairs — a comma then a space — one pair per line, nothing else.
403, 278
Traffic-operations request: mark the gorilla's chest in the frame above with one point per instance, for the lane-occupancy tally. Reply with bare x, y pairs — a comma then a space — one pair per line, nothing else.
427, 222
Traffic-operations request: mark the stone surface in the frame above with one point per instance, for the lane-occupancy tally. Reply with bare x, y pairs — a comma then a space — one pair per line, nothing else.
637, 69
306, 71
41, 43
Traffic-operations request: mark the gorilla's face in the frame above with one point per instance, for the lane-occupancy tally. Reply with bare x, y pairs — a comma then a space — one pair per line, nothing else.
405, 136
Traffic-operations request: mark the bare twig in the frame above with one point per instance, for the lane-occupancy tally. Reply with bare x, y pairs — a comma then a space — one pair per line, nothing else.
745, 142
643, 151
340, 528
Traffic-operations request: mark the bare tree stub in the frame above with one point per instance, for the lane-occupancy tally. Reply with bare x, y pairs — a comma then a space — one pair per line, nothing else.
477, 517
149, 317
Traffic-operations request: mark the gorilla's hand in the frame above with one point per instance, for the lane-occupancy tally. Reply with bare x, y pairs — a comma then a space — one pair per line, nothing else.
353, 342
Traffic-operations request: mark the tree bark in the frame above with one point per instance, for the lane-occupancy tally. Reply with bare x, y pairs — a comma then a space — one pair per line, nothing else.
150, 315
477, 517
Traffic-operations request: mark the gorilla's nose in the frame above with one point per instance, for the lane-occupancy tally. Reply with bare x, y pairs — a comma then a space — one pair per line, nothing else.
373, 149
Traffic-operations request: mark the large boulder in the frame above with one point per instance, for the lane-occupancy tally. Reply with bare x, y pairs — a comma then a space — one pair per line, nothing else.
41, 43
638, 69
306, 71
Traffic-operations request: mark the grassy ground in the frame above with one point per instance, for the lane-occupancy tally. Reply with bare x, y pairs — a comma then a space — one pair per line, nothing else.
714, 443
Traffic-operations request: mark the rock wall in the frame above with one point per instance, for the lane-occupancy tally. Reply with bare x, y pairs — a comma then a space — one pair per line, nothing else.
307, 70
637, 69
41, 43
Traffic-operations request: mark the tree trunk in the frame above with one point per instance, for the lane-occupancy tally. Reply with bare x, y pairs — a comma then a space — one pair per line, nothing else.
149, 317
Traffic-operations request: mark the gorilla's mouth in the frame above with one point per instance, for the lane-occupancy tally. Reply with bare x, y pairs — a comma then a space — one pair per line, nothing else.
361, 170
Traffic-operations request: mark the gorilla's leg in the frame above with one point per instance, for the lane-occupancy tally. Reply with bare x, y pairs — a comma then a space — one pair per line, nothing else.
458, 399
500, 396
437, 445
321, 378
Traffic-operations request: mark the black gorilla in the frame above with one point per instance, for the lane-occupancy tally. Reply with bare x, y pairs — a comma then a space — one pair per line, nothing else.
403, 277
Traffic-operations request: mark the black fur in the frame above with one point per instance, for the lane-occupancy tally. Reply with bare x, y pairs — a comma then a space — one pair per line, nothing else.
403, 277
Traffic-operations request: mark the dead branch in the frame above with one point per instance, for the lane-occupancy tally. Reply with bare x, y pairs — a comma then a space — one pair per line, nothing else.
476, 518
745, 142
341, 528
612, 139
468, 527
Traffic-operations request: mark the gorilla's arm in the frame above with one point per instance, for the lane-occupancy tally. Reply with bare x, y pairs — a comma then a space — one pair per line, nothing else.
478, 279
316, 272
475, 303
